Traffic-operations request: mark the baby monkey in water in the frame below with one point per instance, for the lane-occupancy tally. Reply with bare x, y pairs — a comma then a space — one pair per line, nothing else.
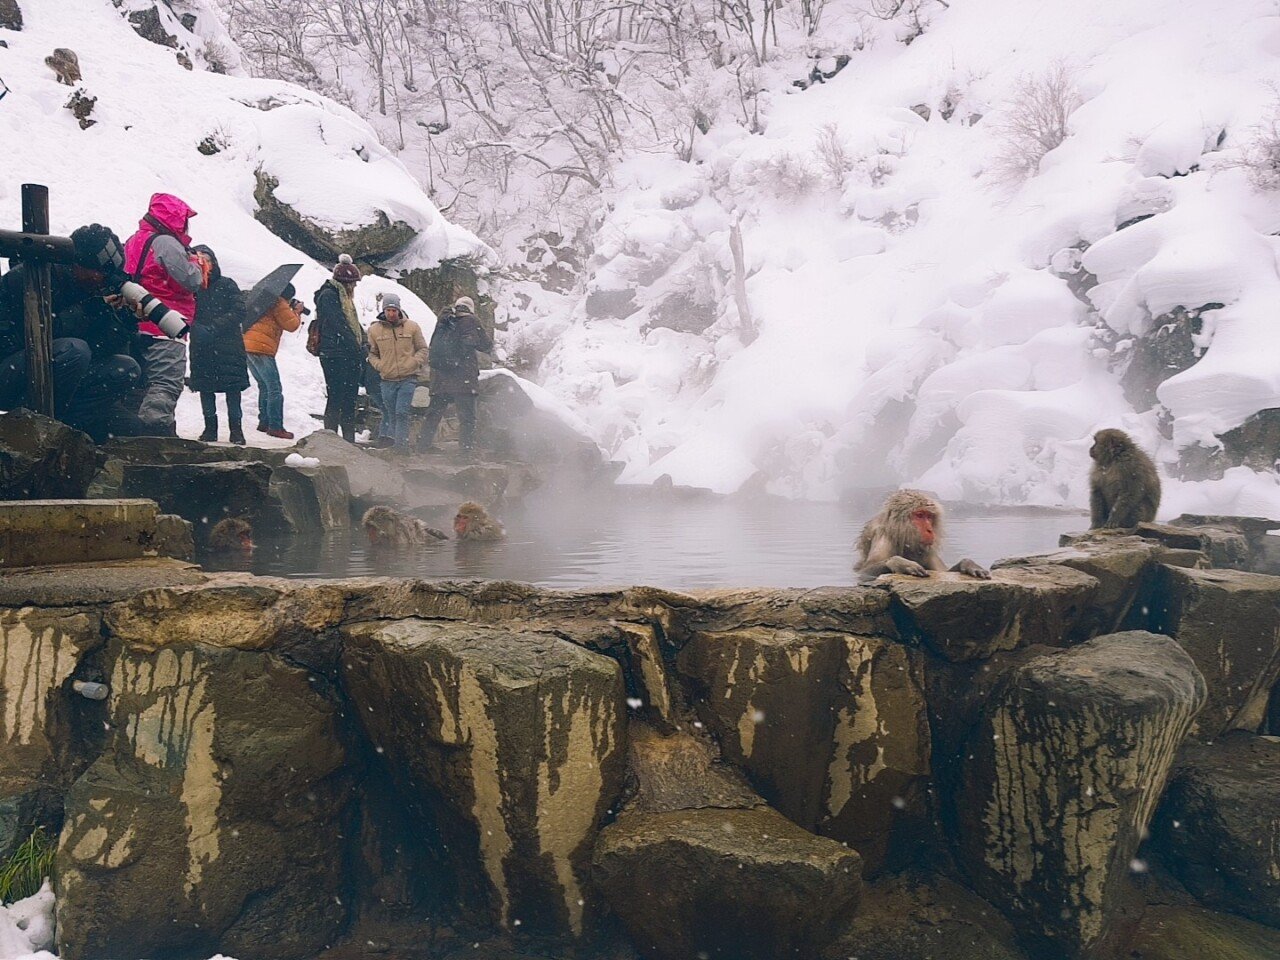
474, 523
387, 527
905, 537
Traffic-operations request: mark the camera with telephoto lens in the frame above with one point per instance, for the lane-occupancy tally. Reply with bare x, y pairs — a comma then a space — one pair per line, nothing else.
99, 249
171, 323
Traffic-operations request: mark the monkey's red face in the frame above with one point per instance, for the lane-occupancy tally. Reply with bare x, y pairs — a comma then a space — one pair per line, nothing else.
246, 543
460, 524
923, 521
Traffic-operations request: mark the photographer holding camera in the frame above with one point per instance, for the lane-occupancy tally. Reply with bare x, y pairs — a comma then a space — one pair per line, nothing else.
158, 257
94, 331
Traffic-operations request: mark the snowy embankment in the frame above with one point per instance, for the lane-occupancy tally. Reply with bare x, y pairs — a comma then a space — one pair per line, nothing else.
912, 322
152, 114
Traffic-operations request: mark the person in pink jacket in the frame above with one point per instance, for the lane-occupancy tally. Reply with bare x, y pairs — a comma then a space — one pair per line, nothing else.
158, 256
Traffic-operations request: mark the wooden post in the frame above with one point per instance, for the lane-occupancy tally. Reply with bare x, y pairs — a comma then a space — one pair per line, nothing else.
37, 303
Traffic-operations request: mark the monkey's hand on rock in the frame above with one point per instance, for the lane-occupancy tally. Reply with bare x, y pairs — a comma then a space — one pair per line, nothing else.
908, 568
971, 569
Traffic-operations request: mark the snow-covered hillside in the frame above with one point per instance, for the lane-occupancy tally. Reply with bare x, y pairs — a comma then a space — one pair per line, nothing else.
911, 316
151, 114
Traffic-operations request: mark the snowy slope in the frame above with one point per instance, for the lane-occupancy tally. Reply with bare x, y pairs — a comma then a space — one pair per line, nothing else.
151, 115
910, 326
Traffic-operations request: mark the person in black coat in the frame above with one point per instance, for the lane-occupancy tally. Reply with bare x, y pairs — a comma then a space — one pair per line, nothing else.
218, 363
343, 347
455, 373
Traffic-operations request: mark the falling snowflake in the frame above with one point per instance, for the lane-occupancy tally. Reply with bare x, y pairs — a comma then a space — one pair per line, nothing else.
635, 703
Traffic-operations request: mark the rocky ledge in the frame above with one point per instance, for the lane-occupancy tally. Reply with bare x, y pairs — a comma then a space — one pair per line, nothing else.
944, 768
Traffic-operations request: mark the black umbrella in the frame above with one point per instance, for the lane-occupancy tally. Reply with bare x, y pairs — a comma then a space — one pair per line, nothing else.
267, 291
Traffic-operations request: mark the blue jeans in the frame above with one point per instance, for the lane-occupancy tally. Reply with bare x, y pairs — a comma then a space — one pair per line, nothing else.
270, 391
397, 397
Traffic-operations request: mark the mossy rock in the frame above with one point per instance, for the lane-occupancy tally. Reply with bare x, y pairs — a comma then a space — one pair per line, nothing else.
372, 243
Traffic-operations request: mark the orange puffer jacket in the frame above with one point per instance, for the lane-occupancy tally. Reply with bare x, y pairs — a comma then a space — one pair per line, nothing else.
264, 336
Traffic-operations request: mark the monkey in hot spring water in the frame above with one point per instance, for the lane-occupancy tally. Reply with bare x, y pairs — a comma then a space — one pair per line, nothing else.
906, 537
231, 535
390, 528
474, 523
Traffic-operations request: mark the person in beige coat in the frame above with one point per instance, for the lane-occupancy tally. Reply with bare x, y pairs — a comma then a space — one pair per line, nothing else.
397, 350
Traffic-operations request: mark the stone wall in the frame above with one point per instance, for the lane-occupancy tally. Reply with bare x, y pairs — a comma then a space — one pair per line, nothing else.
740, 773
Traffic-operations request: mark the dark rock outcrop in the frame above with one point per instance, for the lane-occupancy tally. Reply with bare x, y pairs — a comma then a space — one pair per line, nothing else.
204, 493
214, 820
1063, 772
518, 748
1229, 622
831, 728
1181, 933
43, 459
314, 499
372, 242
697, 865
961, 618
1219, 825
10, 15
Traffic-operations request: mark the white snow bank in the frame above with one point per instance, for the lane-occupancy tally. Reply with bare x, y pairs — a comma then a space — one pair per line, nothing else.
298, 460
864, 226
27, 927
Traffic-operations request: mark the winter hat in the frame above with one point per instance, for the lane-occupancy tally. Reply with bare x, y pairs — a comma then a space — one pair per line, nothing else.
98, 248
464, 305
391, 300
346, 271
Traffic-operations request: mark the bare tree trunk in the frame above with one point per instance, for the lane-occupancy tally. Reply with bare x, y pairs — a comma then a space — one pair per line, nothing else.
746, 322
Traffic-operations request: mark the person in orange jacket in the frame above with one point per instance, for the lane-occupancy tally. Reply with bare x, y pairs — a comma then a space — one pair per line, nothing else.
261, 343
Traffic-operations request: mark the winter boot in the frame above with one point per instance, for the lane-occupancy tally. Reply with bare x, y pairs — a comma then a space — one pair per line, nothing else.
237, 434
210, 434
279, 434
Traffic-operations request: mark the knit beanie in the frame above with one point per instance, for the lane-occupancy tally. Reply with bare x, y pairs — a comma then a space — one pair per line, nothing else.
391, 300
346, 271
465, 305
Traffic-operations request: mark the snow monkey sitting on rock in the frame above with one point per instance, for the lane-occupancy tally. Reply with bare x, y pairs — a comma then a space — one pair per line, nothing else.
1124, 488
905, 537
65, 64
231, 535
474, 523
387, 527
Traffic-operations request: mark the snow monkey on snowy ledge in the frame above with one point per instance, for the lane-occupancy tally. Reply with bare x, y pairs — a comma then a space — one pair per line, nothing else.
905, 537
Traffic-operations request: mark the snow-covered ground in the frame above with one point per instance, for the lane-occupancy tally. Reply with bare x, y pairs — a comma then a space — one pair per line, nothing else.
151, 115
911, 325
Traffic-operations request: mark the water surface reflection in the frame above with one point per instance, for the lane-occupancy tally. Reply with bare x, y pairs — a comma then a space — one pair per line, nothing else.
568, 541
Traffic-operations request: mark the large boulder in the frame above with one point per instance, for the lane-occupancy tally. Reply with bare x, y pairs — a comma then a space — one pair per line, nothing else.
40, 532
43, 459
913, 917
1229, 622
40, 653
514, 739
961, 618
1063, 772
736, 884
10, 15
520, 423
314, 499
1184, 933
215, 818
204, 493
374, 241
831, 728
1219, 824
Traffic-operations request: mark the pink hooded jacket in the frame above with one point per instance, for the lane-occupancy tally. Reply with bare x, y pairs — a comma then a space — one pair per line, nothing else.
166, 216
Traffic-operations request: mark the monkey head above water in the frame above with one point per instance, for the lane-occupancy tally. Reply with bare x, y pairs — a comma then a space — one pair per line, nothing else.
387, 527
231, 535
474, 523
1124, 487
906, 537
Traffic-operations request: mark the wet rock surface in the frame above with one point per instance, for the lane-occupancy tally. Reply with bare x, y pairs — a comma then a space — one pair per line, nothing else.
1063, 773
1220, 824
519, 749
1183, 932
743, 883
214, 819
204, 493
962, 618
1229, 622
43, 459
